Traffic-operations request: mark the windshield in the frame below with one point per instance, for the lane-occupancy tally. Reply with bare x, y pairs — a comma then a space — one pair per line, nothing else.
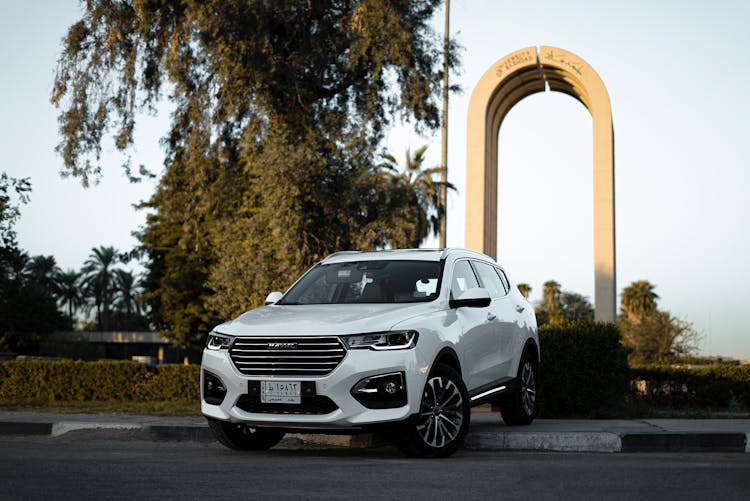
367, 282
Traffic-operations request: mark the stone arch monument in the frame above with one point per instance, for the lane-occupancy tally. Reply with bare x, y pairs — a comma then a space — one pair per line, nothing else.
511, 79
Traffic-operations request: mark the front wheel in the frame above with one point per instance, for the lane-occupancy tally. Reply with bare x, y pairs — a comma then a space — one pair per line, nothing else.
520, 407
444, 416
242, 437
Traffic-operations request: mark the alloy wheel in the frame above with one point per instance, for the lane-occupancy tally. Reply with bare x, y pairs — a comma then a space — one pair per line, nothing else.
441, 412
528, 388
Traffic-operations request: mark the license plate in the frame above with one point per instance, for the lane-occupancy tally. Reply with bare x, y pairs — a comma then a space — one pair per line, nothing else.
280, 392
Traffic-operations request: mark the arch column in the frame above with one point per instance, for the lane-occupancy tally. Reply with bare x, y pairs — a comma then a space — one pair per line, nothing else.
507, 82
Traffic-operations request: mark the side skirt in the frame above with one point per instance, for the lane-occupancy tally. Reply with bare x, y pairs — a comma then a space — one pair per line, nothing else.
493, 391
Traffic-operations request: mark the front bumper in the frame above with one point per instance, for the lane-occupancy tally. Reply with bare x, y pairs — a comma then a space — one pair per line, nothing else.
351, 414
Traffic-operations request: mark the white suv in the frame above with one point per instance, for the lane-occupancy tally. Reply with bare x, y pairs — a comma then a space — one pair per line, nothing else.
400, 341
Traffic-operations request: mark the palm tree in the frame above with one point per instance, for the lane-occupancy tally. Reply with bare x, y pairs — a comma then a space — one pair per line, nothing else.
41, 270
551, 294
69, 291
524, 289
552, 305
638, 300
126, 293
420, 181
100, 280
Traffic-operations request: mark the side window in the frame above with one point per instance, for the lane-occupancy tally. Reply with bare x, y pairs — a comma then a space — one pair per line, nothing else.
463, 278
504, 279
490, 279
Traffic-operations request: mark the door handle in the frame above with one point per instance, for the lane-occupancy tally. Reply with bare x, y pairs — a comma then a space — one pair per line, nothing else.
491, 316
519, 308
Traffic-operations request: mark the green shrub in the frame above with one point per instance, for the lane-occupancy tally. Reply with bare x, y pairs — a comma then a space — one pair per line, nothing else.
584, 370
716, 386
178, 382
35, 380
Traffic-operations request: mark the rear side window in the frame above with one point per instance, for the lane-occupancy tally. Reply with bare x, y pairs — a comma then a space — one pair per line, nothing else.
504, 279
463, 278
490, 279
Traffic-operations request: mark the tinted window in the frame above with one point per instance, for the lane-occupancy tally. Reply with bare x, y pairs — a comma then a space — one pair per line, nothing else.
490, 279
367, 282
463, 278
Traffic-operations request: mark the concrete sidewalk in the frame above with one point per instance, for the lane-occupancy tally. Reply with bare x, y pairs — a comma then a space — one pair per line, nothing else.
487, 432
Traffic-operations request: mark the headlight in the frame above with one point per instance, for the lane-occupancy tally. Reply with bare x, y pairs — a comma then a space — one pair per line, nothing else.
392, 340
218, 341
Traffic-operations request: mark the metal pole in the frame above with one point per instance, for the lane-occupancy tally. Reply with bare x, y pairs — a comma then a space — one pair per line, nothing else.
444, 162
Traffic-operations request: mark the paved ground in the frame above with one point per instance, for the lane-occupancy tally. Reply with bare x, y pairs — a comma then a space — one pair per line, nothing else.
487, 432
106, 465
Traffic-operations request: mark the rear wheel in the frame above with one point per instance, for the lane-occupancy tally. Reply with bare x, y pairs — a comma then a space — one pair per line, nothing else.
520, 407
242, 437
443, 420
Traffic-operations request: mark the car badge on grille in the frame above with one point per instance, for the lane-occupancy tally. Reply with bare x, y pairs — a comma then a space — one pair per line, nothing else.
282, 346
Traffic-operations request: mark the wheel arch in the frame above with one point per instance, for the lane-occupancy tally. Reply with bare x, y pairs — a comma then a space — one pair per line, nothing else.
447, 356
531, 347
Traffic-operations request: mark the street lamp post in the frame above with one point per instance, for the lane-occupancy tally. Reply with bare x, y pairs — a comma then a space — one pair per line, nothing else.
444, 159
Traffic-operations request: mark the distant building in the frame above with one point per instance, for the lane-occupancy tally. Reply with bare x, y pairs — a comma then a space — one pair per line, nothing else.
146, 347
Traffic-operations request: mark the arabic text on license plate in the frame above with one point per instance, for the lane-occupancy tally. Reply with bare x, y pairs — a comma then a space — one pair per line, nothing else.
280, 392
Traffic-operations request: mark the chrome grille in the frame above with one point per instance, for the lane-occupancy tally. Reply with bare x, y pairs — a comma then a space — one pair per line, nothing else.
273, 356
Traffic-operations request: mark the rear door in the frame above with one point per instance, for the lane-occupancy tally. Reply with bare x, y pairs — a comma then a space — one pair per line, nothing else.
501, 322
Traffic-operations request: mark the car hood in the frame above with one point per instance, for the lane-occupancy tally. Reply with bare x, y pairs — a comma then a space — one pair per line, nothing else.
321, 319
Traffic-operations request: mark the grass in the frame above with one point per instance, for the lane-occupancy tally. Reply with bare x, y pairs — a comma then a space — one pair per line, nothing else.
157, 408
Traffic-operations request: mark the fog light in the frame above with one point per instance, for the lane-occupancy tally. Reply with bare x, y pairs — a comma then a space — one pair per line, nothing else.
385, 391
214, 390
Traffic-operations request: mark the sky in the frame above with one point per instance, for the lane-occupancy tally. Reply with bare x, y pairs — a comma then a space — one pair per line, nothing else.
676, 73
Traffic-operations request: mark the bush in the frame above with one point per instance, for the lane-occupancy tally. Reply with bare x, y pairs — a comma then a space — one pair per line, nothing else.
35, 380
584, 370
721, 386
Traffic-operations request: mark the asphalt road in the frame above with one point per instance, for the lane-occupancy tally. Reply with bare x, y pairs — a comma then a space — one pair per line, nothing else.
100, 465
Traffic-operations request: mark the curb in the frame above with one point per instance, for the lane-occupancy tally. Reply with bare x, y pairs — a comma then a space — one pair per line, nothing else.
685, 442
18, 428
180, 433
602, 442
545, 441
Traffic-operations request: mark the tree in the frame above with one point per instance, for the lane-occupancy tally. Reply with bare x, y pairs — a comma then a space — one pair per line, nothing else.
653, 336
241, 68
279, 108
429, 209
99, 281
28, 310
549, 311
42, 270
126, 292
69, 293
560, 307
576, 307
638, 300
10, 189
524, 289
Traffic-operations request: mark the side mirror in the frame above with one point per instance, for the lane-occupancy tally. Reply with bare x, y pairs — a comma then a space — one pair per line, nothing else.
273, 297
473, 298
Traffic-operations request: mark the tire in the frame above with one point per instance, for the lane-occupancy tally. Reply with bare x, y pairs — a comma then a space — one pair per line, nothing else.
520, 407
441, 426
242, 437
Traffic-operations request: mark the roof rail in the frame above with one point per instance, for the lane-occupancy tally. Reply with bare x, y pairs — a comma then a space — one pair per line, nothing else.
339, 253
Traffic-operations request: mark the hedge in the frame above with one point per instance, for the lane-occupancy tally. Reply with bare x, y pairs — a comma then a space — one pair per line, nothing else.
717, 386
583, 373
584, 370
35, 380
